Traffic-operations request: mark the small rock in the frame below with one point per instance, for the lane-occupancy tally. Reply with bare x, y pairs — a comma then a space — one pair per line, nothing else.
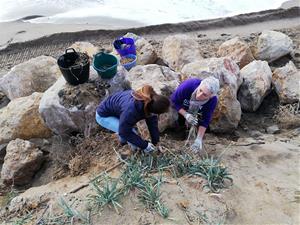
273, 129
255, 133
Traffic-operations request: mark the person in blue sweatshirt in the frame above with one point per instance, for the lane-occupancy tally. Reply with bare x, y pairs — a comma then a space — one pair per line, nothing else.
121, 111
195, 101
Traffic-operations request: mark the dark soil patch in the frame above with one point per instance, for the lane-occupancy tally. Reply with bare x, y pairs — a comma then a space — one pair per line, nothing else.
81, 95
4, 100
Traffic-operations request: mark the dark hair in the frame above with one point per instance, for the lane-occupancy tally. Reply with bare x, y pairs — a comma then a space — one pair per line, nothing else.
153, 103
159, 104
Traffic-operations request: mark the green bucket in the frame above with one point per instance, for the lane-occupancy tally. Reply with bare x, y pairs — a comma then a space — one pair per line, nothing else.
105, 64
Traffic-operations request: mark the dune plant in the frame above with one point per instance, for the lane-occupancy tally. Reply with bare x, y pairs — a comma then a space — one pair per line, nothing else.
150, 196
72, 213
211, 170
107, 195
132, 176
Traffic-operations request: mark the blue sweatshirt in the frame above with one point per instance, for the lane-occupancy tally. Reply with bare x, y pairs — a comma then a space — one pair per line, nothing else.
129, 110
181, 99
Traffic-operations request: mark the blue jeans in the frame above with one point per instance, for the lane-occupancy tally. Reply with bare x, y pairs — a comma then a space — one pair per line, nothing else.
112, 123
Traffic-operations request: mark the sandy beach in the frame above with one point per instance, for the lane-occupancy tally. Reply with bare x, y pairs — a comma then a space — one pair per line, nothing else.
264, 165
22, 40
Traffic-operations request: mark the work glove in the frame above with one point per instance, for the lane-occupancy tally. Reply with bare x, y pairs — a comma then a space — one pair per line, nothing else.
150, 148
191, 119
197, 145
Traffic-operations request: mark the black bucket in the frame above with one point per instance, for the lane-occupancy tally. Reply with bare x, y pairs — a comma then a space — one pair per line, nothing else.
74, 66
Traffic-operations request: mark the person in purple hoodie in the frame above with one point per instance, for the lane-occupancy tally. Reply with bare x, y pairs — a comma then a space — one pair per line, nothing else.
121, 111
195, 101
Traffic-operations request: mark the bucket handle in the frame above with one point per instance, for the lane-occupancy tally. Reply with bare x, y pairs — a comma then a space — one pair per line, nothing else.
76, 67
73, 50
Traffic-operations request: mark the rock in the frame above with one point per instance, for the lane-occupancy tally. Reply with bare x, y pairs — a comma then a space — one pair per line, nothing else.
285, 83
4, 100
20, 203
21, 119
118, 83
238, 50
85, 47
255, 133
273, 129
21, 161
2, 152
161, 78
228, 112
66, 108
178, 50
144, 50
272, 45
224, 69
35, 75
164, 81
256, 85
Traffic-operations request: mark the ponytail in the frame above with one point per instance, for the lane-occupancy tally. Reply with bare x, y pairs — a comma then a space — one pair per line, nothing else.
145, 94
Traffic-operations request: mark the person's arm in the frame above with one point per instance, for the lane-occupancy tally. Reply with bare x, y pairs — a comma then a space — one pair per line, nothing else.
127, 123
207, 115
207, 112
182, 92
182, 111
152, 123
201, 131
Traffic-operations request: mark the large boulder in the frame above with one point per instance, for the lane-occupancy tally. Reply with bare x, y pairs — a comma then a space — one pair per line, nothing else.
224, 69
161, 78
238, 50
286, 81
21, 161
228, 112
21, 119
85, 47
179, 50
35, 75
272, 45
256, 85
144, 50
164, 81
66, 108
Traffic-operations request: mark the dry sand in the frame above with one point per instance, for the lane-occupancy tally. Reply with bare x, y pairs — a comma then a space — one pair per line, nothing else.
265, 169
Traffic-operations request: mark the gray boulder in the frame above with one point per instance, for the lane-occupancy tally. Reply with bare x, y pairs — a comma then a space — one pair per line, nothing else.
285, 83
179, 50
35, 75
272, 45
256, 85
164, 81
66, 108
21, 161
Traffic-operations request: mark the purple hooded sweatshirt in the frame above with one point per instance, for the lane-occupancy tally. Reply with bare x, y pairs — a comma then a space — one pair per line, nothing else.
181, 99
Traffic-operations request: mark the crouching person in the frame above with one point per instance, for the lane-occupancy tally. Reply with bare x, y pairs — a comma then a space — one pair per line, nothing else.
195, 101
121, 111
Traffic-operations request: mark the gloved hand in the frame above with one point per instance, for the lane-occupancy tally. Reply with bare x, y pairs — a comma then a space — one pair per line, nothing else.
191, 119
150, 148
197, 145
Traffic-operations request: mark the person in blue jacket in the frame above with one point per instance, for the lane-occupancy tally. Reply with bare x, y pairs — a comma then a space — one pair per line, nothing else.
195, 97
121, 111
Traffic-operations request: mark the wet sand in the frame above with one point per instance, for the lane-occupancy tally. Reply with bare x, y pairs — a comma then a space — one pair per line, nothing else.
22, 41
